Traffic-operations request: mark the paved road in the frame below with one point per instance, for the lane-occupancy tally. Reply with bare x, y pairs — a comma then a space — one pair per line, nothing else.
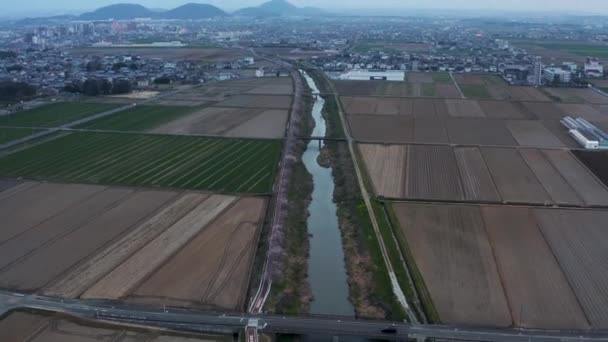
197, 321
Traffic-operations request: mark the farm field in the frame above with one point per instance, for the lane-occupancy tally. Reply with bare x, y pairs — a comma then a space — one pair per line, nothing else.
10, 134
220, 91
452, 252
101, 242
503, 266
416, 85
482, 86
230, 122
258, 101
20, 326
577, 240
140, 118
197, 163
577, 95
53, 115
206, 54
459, 108
463, 131
596, 162
481, 175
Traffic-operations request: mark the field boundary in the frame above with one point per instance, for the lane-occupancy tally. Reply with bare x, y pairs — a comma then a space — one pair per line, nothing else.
421, 290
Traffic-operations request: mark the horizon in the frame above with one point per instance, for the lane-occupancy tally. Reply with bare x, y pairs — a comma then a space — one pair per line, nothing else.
537, 7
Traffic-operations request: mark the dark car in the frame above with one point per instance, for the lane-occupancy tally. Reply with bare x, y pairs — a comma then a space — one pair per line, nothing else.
389, 330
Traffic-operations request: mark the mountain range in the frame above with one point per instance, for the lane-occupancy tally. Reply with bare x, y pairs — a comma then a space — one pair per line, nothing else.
194, 11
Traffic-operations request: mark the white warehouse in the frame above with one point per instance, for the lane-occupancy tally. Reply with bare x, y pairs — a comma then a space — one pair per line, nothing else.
366, 75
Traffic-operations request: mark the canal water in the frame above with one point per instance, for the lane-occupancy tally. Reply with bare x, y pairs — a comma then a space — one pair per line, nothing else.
326, 269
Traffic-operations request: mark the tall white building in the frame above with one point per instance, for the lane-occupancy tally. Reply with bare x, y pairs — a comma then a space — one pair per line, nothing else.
557, 75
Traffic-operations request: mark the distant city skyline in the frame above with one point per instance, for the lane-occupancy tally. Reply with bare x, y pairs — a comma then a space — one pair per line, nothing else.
36, 7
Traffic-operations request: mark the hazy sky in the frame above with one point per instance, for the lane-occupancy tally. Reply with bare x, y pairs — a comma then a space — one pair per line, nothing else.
62, 6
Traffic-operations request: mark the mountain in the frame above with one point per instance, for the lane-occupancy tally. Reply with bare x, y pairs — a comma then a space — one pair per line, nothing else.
193, 11
276, 8
119, 12
132, 11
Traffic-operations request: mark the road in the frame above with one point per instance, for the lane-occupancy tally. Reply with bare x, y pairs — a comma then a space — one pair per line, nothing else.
213, 322
457, 86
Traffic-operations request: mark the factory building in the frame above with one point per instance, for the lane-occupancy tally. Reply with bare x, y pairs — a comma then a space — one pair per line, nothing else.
586, 134
366, 75
556, 75
593, 68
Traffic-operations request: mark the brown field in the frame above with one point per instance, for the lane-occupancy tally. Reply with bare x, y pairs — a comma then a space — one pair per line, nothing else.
76, 282
381, 128
258, 101
41, 262
591, 190
582, 110
512, 176
533, 134
544, 111
577, 239
430, 130
447, 91
432, 173
230, 122
436, 172
429, 107
164, 53
101, 242
225, 249
477, 182
419, 77
385, 166
538, 292
526, 94
140, 265
497, 265
588, 96
503, 110
554, 183
472, 131
363, 105
451, 249
464, 108
221, 91
560, 132
41, 327
478, 79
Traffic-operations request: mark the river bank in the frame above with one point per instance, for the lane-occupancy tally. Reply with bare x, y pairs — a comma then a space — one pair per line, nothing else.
291, 293
369, 285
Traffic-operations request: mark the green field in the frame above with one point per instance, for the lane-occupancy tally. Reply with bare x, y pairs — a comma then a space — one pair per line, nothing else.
55, 114
593, 50
217, 164
139, 118
428, 89
475, 91
10, 134
441, 77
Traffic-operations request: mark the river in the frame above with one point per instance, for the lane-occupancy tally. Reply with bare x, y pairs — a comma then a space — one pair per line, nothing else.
326, 269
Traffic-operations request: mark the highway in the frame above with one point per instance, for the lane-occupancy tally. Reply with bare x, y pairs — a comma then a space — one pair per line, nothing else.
214, 322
